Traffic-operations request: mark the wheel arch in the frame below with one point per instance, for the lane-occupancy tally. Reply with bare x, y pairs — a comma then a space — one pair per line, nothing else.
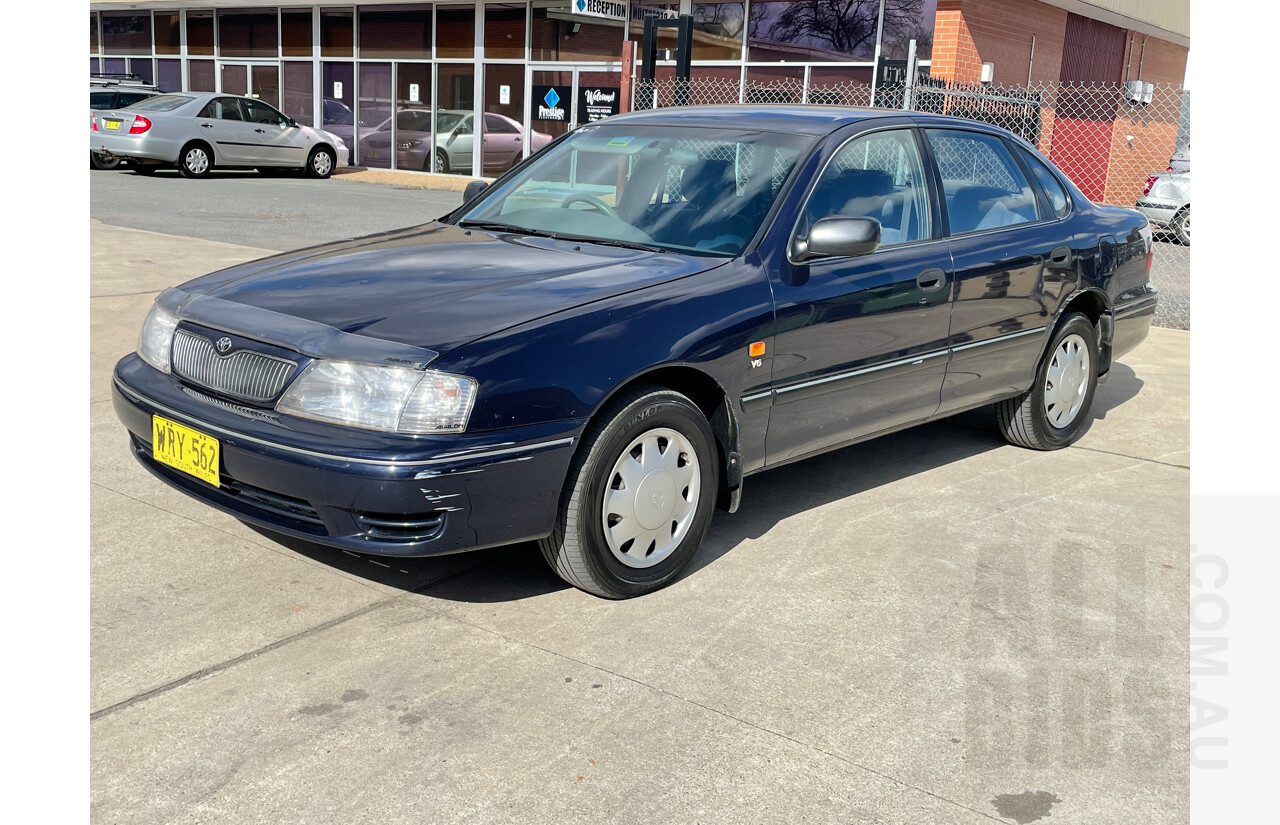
208, 147
1094, 304
708, 396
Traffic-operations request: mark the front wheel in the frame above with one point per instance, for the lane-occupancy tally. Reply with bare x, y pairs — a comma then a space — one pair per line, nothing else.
1181, 226
639, 497
441, 162
1055, 411
320, 163
196, 161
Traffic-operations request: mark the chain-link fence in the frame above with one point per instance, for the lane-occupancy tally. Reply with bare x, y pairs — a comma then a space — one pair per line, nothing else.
1115, 142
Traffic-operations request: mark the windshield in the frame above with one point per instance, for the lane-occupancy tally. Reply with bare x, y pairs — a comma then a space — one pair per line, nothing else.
161, 103
704, 191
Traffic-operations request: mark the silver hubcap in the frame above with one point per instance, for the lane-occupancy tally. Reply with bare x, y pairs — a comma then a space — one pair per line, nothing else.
1067, 381
197, 161
439, 162
651, 497
322, 164
1186, 225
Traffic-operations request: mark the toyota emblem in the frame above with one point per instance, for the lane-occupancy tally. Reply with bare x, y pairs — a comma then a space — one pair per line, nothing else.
223, 345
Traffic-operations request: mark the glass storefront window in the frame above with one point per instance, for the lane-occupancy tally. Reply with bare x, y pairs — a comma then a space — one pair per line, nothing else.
338, 89
558, 35
93, 32
717, 31
640, 9
126, 32
395, 31
455, 31
337, 33
775, 84
266, 84
200, 33
503, 134
797, 31
168, 33
244, 33
299, 92
169, 75
95, 65
455, 100
504, 31
373, 112
143, 68
413, 117
295, 34
114, 65
200, 76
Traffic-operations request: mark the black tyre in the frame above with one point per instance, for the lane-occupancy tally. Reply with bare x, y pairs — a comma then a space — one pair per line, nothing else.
639, 496
1181, 226
99, 161
320, 162
196, 161
1055, 411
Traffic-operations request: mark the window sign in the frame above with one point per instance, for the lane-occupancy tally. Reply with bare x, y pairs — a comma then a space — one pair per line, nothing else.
598, 102
504, 95
414, 96
608, 9
551, 103
337, 89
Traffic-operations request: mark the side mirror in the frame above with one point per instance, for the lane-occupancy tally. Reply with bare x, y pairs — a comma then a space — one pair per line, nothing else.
837, 237
473, 190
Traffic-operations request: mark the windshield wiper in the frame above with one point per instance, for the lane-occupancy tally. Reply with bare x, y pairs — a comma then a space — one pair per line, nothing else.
560, 236
498, 226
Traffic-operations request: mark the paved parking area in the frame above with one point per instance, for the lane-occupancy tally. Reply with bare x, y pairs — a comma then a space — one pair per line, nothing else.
934, 627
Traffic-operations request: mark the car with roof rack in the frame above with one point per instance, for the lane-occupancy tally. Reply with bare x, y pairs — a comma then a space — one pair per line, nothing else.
115, 91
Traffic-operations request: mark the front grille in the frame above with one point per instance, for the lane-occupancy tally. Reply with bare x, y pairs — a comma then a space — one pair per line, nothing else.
407, 528
244, 374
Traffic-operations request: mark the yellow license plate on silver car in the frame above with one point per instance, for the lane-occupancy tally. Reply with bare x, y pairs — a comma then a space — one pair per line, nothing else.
185, 449
112, 124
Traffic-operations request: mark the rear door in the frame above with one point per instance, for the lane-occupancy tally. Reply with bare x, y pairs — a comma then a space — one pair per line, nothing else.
501, 142
861, 343
1012, 265
222, 123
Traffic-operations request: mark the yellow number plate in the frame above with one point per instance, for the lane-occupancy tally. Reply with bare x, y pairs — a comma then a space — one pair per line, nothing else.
112, 124
185, 449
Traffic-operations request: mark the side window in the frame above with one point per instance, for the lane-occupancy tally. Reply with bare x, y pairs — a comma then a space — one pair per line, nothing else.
101, 100
260, 112
984, 187
876, 176
227, 108
499, 126
1057, 194
130, 98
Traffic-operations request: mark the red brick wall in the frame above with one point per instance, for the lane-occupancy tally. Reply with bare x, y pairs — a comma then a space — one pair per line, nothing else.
968, 33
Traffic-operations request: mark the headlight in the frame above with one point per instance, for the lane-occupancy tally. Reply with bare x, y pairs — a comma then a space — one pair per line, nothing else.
393, 399
156, 338
409, 144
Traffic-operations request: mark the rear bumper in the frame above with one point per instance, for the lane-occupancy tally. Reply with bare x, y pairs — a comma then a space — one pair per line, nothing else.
145, 147
1132, 318
458, 493
1159, 213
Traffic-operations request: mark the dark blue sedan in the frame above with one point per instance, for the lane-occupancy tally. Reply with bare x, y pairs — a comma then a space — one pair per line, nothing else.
595, 351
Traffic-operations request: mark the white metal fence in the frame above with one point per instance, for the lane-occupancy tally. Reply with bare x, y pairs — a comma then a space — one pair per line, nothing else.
1107, 138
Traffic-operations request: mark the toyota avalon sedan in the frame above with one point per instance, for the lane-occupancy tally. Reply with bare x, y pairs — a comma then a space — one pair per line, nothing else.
599, 349
196, 132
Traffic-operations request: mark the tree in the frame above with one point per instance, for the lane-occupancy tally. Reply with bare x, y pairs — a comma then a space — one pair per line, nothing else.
844, 26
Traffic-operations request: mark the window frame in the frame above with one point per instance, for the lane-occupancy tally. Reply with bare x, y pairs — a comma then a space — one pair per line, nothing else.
931, 180
1026, 158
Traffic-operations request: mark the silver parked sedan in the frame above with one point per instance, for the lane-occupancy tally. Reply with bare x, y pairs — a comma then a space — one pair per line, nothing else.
198, 131
1166, 201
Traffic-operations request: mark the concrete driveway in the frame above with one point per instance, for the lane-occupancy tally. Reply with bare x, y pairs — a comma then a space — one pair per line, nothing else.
934, 627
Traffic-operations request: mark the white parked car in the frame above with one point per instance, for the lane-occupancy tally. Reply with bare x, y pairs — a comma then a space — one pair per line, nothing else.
197, 132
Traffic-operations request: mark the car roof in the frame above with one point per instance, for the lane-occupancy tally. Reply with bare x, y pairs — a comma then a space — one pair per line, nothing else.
794, 118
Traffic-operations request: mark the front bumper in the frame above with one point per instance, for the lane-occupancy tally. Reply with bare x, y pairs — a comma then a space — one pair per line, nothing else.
420, 496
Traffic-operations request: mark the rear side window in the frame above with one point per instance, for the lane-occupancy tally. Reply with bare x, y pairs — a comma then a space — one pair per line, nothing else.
101, 100
222, 108
1057, 194
162, 103
984, 187
876, 176
130, 98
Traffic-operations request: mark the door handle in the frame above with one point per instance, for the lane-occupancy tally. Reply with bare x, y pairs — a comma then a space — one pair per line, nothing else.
260, 131
931, 280
1060, 255
207, 125
517, 138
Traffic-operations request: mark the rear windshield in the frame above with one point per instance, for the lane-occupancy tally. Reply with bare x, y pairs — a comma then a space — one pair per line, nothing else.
162, 103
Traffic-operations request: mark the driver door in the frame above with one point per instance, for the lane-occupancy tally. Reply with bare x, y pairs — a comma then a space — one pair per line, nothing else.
276, 142
458, 146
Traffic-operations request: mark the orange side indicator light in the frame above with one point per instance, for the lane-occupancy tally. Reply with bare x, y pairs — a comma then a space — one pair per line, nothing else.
756, 349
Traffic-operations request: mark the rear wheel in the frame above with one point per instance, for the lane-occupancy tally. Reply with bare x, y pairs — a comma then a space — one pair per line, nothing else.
639, 497
1181, 226
100, 161
321, 162
1055, 411
196, 161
